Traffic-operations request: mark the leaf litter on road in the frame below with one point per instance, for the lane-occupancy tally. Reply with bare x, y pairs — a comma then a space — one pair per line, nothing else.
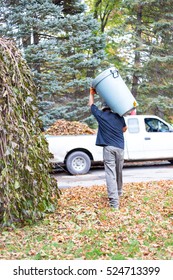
85, 227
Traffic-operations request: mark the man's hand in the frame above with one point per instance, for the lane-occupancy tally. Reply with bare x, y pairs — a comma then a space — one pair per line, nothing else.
92, 90
124, 128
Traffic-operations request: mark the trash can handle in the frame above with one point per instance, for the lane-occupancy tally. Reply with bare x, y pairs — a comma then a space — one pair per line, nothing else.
114, 73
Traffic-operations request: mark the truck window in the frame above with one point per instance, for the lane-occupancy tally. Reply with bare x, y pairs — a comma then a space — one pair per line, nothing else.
133, 125
155, 125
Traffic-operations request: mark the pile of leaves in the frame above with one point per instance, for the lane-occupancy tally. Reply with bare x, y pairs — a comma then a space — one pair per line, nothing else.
26, 188
85, 227
63, 127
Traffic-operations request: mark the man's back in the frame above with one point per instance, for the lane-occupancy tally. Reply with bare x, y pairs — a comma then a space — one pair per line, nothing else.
110, 130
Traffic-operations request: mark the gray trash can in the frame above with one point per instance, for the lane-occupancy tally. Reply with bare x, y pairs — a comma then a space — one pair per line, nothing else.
111, 87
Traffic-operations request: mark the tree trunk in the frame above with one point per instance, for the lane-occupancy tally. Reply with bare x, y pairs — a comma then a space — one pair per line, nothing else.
138, 32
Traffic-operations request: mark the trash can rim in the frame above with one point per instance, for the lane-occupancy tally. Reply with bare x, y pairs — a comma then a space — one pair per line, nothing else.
102, 76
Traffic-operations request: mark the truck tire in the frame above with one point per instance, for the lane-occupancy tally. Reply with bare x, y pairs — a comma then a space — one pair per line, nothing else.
78, 163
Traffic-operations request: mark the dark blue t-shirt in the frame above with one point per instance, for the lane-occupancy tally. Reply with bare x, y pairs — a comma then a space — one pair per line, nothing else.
110, 129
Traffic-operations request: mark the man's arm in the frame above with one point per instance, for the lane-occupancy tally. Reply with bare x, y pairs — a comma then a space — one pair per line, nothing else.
91, 97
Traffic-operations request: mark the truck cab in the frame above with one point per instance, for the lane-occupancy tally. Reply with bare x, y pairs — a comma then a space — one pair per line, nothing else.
148, 138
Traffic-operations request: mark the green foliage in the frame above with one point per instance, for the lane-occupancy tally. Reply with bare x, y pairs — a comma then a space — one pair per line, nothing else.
70, 6
65, 44
26, 188
157, 106
159, 67
63, 49
146, 42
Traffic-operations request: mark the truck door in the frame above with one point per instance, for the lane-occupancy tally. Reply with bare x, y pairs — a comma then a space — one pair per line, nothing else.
158, 140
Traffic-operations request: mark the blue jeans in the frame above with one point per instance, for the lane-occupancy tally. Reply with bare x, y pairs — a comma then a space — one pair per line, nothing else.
113, 163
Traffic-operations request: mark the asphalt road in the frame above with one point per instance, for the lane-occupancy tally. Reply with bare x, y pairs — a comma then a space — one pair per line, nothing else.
141, 172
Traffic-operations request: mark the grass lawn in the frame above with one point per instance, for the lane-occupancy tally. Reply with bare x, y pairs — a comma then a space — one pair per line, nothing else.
84, 227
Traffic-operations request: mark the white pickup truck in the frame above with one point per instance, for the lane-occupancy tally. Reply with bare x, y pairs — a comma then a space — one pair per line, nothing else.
148, 137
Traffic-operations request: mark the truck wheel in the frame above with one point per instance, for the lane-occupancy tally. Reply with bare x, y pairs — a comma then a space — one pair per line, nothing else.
78, 163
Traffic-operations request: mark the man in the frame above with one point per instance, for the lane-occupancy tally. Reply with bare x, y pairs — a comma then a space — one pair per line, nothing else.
110, 136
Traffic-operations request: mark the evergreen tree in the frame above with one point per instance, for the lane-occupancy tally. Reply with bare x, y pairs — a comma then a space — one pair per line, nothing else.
63, 50
156, 89
148, 41
70, 7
